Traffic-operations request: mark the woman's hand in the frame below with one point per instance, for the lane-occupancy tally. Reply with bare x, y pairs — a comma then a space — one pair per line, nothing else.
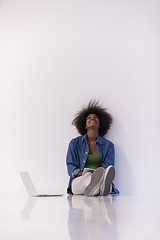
79, 174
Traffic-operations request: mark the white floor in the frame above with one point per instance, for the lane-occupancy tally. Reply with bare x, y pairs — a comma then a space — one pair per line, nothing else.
80, 218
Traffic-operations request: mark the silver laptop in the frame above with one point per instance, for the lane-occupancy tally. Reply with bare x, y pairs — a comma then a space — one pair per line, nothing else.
30, 187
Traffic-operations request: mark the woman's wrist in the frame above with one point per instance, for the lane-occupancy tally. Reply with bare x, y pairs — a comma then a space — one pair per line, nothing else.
79, 174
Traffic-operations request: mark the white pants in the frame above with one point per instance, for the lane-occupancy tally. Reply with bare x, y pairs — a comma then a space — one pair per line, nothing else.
79, 184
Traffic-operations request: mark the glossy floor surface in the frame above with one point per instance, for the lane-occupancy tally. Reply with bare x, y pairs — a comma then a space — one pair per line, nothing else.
80, 217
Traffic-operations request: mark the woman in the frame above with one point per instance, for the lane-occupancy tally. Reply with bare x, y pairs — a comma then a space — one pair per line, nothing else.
90, 157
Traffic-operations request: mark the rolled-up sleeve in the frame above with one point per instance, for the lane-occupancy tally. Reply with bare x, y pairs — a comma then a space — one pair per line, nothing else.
72, 161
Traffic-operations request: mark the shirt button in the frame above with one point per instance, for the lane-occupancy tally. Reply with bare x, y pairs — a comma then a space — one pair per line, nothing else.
83, 161
86, 152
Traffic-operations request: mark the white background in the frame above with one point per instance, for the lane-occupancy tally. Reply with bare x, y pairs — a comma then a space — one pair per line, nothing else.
57, 55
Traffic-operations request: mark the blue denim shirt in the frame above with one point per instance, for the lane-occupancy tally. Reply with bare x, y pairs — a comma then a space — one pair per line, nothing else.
77, 155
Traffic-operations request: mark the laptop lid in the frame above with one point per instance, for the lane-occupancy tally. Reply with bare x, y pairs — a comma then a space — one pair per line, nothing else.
28, 184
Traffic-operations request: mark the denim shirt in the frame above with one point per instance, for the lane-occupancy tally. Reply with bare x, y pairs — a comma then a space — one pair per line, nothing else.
77, 155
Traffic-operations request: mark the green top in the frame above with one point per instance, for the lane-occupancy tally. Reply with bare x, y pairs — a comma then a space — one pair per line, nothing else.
93, 161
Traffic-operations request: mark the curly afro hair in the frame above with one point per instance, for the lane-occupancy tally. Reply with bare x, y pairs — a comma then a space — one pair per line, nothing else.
93, 108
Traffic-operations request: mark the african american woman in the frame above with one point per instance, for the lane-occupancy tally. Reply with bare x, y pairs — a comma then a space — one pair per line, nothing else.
90, 157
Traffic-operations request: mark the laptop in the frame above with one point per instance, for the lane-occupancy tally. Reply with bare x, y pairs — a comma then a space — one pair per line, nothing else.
30, 187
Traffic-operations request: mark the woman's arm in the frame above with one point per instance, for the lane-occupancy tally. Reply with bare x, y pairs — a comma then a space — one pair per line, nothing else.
72, 161
109, 157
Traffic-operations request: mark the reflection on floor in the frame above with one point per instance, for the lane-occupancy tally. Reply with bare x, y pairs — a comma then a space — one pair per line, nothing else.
80, 217
95, 216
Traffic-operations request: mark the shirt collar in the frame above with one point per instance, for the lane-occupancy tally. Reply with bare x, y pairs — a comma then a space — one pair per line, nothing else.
99, 138
84, 136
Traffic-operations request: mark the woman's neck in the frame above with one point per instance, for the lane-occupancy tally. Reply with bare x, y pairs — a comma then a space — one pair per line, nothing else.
92, 135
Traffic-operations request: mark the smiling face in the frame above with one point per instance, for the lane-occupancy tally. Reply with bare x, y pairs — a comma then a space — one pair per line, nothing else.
92, 121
